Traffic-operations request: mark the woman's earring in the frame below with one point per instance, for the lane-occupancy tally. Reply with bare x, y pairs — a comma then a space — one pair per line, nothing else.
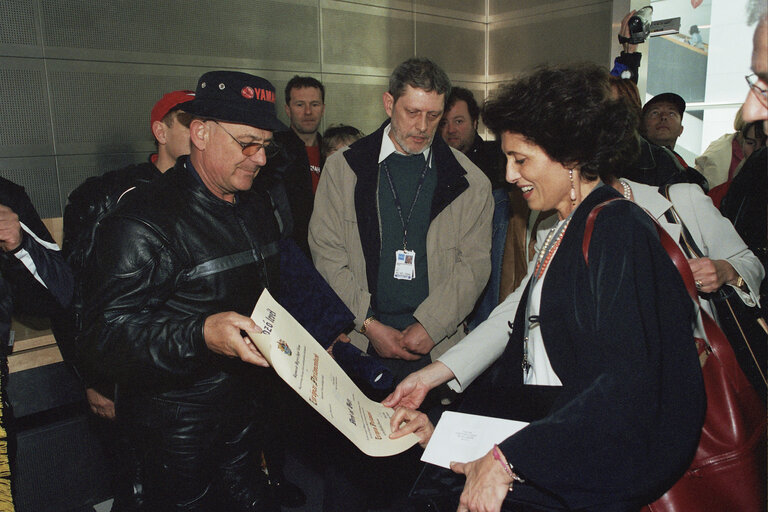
573, 188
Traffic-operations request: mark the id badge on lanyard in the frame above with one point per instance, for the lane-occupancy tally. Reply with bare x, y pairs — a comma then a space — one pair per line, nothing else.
405, 260
405, 264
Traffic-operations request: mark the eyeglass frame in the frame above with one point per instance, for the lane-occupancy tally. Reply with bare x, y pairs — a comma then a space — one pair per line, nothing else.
270, 149
762, 94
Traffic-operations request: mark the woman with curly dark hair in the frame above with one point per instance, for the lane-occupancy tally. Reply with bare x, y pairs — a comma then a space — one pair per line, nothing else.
601, 358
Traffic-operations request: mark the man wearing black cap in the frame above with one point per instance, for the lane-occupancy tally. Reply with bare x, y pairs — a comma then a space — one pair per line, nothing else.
662, 119
661, 124
178, 267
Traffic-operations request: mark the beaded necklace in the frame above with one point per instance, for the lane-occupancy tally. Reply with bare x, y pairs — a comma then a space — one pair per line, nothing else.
549, 248
548, 251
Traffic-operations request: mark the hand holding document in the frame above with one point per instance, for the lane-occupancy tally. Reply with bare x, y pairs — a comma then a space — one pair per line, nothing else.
308, 368
460, 437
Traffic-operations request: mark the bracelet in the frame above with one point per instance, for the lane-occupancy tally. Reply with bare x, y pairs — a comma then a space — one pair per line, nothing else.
508, 468
367, 321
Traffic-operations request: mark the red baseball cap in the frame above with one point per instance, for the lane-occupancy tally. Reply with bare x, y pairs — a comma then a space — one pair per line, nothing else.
170, 101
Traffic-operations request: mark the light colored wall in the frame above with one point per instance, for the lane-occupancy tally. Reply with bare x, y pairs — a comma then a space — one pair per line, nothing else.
79, 77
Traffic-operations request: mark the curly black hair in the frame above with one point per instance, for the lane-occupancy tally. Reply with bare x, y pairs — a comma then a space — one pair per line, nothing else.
569, 113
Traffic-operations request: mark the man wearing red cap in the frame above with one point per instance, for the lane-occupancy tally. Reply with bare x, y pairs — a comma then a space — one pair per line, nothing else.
92, 200
177, 268
86, 207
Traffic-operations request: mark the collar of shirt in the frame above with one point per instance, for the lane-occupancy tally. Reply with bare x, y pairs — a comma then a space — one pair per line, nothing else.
388, 147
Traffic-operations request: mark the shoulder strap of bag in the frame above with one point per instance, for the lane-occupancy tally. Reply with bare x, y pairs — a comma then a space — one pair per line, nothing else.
692, 251
688, 243
715, 339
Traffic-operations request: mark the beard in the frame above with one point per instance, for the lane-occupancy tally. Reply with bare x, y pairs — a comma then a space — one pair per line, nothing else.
402, 141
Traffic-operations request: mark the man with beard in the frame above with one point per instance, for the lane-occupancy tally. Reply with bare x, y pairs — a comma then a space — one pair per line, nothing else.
402, 232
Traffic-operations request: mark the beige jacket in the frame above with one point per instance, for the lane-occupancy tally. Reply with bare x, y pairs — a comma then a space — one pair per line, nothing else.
458, 239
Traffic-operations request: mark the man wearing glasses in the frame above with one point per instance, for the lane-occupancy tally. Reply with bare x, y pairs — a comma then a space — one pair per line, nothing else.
756, 104
178, 267
744, 204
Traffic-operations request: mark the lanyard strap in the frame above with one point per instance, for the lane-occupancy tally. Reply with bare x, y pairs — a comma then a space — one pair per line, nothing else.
396, 198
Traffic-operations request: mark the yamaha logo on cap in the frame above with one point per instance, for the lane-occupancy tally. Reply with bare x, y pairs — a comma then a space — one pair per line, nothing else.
235, 97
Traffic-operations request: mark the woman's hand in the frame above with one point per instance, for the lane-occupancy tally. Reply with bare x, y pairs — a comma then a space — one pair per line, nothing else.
710, 275
413, 389
407, 421
487, 484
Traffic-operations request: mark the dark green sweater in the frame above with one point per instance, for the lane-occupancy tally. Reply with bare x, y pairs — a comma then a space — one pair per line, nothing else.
397, 299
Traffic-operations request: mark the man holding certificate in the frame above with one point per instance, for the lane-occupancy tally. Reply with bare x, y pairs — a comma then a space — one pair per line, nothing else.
178, 267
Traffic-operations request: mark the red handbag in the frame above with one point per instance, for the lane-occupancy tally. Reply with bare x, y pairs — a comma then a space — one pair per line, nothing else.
728, 472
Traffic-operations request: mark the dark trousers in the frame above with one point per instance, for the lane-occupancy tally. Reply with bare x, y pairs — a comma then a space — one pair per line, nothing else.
200, 447
355, 482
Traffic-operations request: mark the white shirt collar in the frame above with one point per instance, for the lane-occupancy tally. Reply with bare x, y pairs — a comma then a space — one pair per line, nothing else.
388, 147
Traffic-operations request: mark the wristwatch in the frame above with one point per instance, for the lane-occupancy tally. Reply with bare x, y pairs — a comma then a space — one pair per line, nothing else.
741, 284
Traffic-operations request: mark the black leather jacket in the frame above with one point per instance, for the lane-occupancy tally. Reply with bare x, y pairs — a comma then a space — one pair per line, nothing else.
291, 167
169, 256
86, 206
90, 202
487, 155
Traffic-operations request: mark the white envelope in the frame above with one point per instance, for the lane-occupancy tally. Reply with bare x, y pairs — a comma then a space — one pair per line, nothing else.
460, 437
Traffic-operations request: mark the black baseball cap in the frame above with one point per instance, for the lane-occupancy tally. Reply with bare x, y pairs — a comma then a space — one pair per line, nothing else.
667, 97
235, 97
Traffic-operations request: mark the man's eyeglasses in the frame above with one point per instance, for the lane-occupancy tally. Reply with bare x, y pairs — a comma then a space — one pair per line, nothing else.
762, 94
251, 148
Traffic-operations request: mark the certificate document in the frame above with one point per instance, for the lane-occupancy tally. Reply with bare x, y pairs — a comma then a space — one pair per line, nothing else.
306, 366
460, 437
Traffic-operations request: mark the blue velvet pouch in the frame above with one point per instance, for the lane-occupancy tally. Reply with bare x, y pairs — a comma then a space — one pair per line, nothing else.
312, 302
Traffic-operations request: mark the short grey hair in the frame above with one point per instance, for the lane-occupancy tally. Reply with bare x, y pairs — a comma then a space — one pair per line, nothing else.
419, 73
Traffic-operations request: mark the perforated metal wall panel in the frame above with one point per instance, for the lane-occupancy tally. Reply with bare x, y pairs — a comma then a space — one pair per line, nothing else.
205, 31
360, 38
38, 177
361, 104
17, 24
104, 107
26, 125
569, 36
458, 47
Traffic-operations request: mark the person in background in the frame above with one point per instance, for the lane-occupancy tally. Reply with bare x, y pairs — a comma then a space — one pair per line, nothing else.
720, 161
91, 201
752, 138
695, 39
655, 165
337, 136
86, 206
34, 279
458, 127
299, 162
